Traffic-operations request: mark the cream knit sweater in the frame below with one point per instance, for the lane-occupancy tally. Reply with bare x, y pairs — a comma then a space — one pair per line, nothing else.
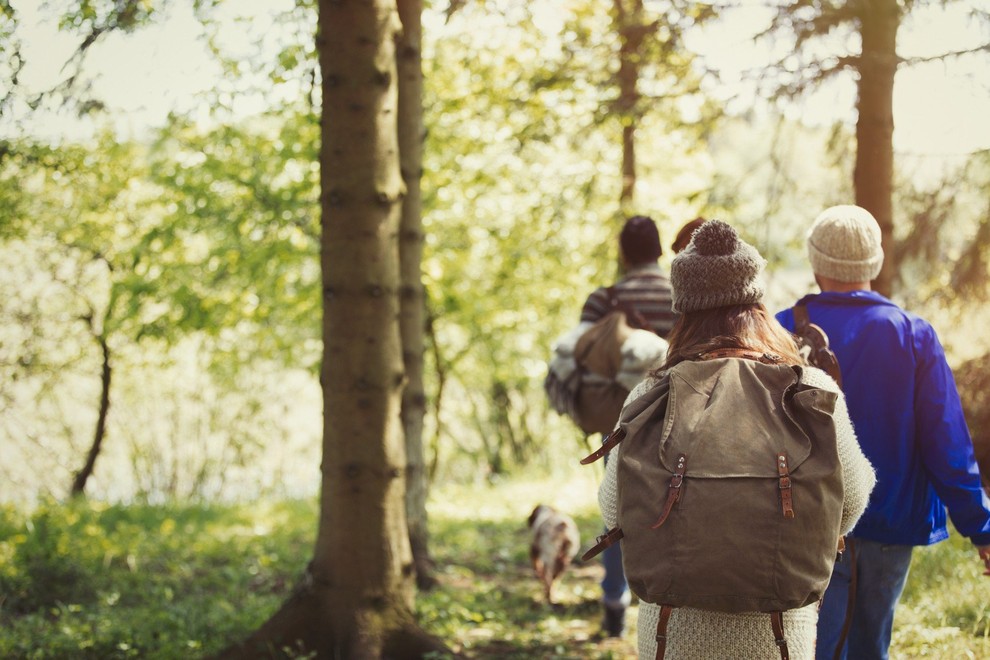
698, 634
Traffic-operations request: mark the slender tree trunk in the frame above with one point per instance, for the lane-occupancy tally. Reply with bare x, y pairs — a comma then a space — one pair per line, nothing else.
100, 432
874, 171
412, 312
356, 600
628, 17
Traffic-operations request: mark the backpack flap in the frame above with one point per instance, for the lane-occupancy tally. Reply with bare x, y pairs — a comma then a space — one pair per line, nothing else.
730, 420
746, 531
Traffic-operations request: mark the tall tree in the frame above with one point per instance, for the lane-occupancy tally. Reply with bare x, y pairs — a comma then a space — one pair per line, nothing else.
876, 23
632, 28
650, 50
366, 595
357, 599
873, 174
412, 303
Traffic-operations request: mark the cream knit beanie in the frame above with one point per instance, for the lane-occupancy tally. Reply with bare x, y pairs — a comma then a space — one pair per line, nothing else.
716, 269
844, 244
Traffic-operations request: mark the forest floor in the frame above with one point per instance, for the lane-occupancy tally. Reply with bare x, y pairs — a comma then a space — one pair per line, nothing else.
87, 580
484, 574
490, 604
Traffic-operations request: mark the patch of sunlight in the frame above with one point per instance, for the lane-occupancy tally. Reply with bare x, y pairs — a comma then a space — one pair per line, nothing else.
919, 641
513, 498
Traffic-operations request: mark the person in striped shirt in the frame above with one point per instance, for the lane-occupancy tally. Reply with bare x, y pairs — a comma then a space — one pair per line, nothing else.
644, 286
645, 289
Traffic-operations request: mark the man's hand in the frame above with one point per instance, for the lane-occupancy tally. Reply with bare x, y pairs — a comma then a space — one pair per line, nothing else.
984, 551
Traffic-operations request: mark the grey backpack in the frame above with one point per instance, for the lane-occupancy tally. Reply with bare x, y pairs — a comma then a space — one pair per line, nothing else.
729, 489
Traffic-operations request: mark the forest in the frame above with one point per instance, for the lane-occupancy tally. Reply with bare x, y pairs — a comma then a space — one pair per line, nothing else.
275, 326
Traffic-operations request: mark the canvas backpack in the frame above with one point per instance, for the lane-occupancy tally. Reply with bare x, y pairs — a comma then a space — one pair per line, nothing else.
729, 489
591, 395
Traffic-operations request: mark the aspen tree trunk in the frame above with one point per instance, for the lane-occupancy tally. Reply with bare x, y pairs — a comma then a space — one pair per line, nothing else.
411, 302
874, 171
356, 599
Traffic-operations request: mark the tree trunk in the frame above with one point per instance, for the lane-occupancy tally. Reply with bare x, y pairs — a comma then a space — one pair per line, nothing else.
356, 600
629, 24
79, 481
874, 170
411, 303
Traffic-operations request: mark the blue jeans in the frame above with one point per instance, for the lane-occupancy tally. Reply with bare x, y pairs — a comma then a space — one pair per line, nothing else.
615, 590
881, 571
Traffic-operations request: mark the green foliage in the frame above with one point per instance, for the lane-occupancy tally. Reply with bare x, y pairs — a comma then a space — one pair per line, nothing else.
944, 612
218, 244
171, 582
243, 201
85, 580
11, 60
264, 52
42, 569
522, 174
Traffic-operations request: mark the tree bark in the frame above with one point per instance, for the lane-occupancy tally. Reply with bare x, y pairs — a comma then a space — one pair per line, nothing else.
356, 598
411, 304
628, 17
99, 433
874, 169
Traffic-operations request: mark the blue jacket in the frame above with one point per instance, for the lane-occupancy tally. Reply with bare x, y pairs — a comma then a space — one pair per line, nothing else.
905, 409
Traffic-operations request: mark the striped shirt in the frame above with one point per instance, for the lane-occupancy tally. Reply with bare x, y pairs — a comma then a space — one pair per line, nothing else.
645, 289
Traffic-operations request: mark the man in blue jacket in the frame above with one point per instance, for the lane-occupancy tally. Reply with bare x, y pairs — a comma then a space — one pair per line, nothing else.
906, 411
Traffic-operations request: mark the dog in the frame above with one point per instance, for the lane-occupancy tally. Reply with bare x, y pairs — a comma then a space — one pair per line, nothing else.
555, 542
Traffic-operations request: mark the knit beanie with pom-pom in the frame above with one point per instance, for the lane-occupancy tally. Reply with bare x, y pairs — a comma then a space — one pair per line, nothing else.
716, 269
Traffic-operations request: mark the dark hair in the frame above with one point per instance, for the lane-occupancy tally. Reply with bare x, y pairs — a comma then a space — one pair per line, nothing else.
747, 326
684, 235
640, 240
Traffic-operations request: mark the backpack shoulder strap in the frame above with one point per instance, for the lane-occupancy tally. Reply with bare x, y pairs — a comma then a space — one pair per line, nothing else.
801, 318
814, 337
609, 538
617, 436
745, 353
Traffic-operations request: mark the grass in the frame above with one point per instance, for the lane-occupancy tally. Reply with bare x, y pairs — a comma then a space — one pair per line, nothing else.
94, 581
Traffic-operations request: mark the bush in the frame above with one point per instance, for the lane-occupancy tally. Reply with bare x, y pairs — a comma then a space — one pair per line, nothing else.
45, 560
85, 580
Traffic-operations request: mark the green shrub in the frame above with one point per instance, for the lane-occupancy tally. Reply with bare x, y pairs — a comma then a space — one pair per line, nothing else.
46, 560
94, 582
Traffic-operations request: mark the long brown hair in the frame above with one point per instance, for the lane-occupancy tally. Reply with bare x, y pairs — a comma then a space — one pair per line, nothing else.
735, 326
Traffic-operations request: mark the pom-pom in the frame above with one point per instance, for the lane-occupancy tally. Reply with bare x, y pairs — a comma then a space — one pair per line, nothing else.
715, 238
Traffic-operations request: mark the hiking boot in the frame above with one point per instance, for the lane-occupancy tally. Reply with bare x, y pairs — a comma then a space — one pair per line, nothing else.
615, 621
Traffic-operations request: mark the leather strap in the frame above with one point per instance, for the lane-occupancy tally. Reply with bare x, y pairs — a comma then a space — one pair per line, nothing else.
765, 358
665, 611
784, 484
821, 356
673, 490
777, 623
614, 438
985, 556
609, 538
